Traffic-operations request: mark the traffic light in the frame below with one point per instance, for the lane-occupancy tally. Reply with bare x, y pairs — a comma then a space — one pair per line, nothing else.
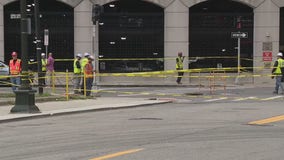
239, 22
97, 12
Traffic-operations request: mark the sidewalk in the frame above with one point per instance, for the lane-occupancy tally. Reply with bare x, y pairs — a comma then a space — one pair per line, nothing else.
76, 106
53, 107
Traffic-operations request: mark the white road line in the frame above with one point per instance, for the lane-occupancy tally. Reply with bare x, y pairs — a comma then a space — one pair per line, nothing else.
129, 95
217, 99
242, 99
271, 98
183, 100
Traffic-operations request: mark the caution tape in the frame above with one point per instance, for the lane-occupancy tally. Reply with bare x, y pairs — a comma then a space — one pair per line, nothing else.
156, 59
162, 74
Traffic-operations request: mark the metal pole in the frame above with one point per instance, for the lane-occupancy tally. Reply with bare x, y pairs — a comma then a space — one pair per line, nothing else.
38, 46
239, 56
25, 98
24, 45
96, 52
239, 61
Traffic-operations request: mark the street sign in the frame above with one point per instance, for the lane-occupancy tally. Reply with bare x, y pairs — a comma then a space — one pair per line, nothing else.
15, 16
239, 34
46, 37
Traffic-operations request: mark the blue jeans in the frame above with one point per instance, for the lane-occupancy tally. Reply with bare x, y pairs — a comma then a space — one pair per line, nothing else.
77, 80
89, 83
16, 82
278, 83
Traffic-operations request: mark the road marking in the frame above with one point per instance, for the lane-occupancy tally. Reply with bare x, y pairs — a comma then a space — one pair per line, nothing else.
129, 95
218, 99
268, 120
242, 99
117, 154
271, 98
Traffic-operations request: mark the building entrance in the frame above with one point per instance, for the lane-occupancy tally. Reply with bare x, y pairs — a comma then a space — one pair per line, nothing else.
210, 26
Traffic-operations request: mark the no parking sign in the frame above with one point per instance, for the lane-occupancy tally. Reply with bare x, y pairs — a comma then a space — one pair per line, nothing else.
267, 56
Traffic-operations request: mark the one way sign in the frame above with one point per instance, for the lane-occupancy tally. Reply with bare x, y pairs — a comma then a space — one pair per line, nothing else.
239, 34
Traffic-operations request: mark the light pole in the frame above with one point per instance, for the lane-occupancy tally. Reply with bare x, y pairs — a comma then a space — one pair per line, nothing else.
38, 46
25, 96
97, 11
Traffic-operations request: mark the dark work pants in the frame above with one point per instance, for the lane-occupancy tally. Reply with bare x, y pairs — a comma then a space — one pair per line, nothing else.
89, 83
42, 77
180, 74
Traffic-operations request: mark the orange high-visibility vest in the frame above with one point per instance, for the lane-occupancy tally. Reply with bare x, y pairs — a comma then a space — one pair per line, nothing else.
89, 70
15, 68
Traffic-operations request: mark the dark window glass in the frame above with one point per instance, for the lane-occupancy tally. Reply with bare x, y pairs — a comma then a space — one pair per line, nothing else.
131, 30
57, 17
282, 29
210, 27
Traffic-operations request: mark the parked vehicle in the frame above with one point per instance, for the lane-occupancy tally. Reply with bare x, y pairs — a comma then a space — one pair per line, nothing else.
4, 71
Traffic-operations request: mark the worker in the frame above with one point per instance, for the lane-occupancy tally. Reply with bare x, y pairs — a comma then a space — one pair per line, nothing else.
43, 68
84, 61
50, 69
89, 74
179, 67
277, 73
15, 66
77, 73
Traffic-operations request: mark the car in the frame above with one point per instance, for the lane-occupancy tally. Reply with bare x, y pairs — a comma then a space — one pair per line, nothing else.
4, 71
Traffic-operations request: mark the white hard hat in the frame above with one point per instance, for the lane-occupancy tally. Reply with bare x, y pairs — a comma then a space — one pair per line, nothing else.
91, 57
87, 54
79, 55
280, 54
42, 54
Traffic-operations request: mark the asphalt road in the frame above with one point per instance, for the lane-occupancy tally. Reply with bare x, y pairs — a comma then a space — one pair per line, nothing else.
177, 131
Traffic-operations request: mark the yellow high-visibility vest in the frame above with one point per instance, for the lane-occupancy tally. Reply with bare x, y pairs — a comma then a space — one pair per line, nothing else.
76, 69
43, 64
179, 63
279, 66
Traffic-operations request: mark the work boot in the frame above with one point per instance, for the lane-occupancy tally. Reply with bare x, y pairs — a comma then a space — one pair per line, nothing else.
275, 92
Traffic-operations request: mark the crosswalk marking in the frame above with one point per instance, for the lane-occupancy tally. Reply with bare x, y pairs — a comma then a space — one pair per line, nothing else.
271, 98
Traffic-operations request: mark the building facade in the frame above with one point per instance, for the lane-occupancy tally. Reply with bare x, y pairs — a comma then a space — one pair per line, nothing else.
263, 26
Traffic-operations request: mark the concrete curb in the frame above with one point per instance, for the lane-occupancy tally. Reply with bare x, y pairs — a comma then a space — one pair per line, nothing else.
23, 116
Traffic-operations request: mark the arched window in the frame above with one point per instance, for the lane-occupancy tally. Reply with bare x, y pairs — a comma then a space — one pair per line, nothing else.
210, 26
131, 33
281, 29
56, 16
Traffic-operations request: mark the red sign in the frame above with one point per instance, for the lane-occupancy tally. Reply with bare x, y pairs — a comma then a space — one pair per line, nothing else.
267, 56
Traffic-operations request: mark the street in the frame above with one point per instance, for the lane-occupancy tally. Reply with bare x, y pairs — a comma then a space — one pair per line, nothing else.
175, 131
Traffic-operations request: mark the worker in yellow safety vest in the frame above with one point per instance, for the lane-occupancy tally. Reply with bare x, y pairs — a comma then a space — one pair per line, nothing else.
179, 67
278, 72
43, 67
77, 70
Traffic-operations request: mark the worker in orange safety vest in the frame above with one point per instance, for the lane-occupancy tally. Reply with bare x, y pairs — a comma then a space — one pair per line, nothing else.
15, 66
89, 75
